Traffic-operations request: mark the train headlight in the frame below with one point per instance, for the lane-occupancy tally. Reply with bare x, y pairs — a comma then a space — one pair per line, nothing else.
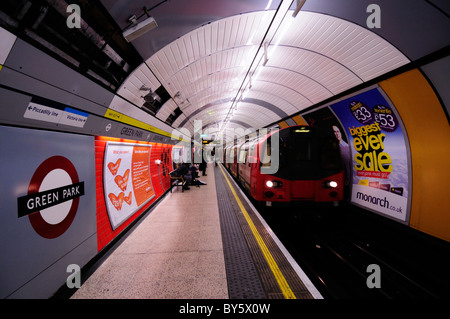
331, 184
274, 184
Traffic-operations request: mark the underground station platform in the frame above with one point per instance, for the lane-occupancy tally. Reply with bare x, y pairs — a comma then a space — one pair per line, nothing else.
208, 242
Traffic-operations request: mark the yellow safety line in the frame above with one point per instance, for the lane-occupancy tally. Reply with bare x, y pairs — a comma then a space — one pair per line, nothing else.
286, 290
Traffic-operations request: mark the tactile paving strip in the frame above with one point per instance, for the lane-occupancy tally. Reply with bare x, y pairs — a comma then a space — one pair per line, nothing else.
268, 281
242, 276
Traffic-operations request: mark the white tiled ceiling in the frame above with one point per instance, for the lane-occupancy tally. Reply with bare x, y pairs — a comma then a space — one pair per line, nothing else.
317, 57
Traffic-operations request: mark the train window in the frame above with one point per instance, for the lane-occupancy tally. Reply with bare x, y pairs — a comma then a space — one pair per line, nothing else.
301, 147
330, 157
242, 156
266, 153
251, 159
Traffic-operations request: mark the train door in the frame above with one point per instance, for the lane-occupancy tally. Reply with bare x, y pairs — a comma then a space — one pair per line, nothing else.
234, 164
244, 166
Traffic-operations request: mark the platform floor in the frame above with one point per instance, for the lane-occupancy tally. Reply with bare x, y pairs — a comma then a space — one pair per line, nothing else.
198, 244
175, 252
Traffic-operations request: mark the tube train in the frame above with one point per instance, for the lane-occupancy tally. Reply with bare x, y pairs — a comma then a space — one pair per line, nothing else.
308, 167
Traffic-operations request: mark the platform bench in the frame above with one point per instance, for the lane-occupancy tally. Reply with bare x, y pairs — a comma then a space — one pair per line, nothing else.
176, 181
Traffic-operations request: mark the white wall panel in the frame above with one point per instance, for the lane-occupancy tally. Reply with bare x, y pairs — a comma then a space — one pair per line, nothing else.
122, 106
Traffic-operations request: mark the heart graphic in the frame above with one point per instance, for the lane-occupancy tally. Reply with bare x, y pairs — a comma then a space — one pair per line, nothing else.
128, 199
122, 181
116, 201
113, 168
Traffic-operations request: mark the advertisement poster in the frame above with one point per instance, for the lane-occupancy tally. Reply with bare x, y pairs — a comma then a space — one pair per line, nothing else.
379, 153
126, 179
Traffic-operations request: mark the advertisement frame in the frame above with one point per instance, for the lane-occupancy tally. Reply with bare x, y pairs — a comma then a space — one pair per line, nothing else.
115, 226
408, 155
407, 149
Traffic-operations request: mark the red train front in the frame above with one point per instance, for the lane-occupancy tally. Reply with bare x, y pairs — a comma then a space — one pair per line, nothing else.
299, 163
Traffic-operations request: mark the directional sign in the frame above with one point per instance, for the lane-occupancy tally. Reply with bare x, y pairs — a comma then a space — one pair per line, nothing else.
73, 117
62, 115
42, 113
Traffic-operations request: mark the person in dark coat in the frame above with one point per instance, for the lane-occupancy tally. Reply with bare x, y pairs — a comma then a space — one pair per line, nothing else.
183, 170
202, 166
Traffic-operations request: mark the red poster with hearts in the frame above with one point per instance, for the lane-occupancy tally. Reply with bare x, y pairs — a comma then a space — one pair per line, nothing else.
126, 180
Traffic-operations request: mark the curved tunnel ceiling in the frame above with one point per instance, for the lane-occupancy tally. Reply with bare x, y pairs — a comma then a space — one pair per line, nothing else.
216, 73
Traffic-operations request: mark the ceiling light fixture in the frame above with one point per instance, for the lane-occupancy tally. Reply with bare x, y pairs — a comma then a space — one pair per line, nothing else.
262, 54
266, 54
139, 29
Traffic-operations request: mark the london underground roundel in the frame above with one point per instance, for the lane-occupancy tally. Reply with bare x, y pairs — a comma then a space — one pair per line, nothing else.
53, 197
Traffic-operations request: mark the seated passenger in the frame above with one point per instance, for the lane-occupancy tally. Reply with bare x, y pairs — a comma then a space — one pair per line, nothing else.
194, 173
183, 170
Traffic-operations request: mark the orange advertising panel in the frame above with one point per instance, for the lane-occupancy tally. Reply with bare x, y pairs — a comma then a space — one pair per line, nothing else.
283, 124
126, 180
299, 120
141, 182
429, 135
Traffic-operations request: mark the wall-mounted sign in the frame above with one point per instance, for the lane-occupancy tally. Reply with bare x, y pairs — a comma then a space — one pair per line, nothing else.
56, 114
53, 197
126, 180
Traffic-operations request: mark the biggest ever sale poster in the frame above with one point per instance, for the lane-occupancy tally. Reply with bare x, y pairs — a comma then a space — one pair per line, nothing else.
379, 153
126, 180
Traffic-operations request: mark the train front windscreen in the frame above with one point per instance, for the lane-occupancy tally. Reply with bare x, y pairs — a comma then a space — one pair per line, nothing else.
307, 153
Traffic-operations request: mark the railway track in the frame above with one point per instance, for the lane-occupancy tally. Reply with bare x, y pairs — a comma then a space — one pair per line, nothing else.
335, 246
336, 255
